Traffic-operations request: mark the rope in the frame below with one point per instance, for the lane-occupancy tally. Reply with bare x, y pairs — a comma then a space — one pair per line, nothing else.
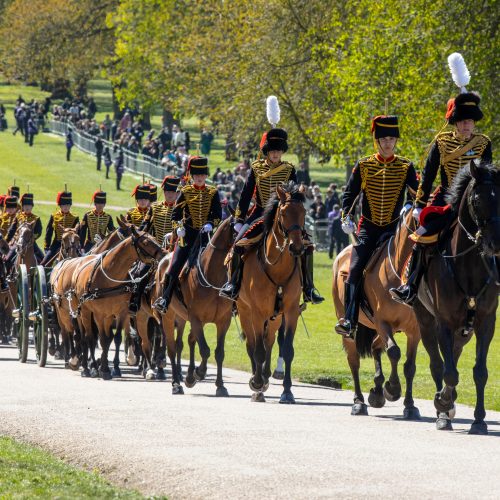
390, 258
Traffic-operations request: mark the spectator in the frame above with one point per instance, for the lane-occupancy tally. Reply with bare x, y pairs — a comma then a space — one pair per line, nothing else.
69, 144
303, 174
119, 169
335, 233
206, 140
107, 160
318, 209
99, 146
333, 197
165, 138
92, 108
32, 130
3, 120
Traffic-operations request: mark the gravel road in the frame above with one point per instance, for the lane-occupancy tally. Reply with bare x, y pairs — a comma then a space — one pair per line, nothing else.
197, 446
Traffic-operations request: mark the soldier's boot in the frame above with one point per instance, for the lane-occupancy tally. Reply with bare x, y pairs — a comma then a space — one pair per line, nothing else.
232, 288
161, 304
4, 285
310, 293
346, 326
407, 293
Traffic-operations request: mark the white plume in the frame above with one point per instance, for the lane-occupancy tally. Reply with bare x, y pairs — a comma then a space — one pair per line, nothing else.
459, 71
273, 110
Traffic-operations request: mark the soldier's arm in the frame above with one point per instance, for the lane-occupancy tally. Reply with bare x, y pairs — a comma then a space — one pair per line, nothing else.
148, 221
178, 210
487, 156
83, 229
215, 214
293, 175
428, 176
246, 197
411, 184
76, 222
49, 231
111, 226
12, 231
37, 231
352, 190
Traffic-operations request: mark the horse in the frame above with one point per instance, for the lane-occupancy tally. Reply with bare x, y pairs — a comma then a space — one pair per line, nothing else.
458, 294
25, 245
200, 304
376, 328
102, 290
6, 298
271, 288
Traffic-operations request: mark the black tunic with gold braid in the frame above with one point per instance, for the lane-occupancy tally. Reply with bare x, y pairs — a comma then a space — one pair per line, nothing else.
193, 208
53, 233
95, 223
21, 218
158, 221
383, 185
136, 216
6, 222
262, 180
448, 155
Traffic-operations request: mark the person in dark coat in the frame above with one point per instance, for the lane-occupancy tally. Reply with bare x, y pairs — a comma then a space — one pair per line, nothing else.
99, 146
107, 160
69, 144
32, 130
119, 169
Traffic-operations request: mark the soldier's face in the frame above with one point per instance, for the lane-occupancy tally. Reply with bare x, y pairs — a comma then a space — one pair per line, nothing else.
199, 179
99, 207
10, 211
465, 127
65, 209
387, 145
27, 209
170, 196
143, 203
275, 156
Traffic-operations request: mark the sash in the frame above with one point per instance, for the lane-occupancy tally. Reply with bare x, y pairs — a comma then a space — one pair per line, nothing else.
459, 152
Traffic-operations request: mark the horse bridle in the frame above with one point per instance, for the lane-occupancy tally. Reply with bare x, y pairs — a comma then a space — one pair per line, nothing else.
294, 227
22, 246
143, 255
72, 246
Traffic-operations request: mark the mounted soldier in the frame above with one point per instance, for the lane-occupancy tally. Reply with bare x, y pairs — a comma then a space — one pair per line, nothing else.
96, 223
8, 216
382, 179
449, 153
196, 212
136, 215
59, 220
265, 174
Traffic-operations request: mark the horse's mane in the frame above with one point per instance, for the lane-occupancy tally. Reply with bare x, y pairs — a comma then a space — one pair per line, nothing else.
272, 205
461, 181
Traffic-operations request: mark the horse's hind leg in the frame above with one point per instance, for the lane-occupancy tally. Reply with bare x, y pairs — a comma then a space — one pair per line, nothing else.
168, 328
279, 371
288, 355
190, 380
222, 328
180, 325
105, 337
159, 351
117, 340
411, 411
201, 371
376, 398
359, 407
392, 388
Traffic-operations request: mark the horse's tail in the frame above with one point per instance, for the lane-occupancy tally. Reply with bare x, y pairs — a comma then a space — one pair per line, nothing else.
364, 340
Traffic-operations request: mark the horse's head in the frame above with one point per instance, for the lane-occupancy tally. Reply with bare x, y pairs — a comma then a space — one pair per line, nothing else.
291, 215
70, 243
124, 227
483, 201
4, 246
145, 245
25, 237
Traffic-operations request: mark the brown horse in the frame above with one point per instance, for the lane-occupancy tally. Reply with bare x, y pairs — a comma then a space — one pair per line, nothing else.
200, 304
102, 287
376, 328
25, 245
6, 299
271, 288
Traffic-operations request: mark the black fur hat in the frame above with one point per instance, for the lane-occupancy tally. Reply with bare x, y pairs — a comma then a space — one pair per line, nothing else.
464, 107
274, 140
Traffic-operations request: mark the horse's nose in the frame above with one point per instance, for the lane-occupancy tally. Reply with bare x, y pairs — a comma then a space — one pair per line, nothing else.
294, 251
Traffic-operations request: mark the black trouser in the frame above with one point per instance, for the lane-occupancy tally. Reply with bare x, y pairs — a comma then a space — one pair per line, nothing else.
30, 139
118, 181
107, 169
68, 154
99, 159
182, 253
51, 252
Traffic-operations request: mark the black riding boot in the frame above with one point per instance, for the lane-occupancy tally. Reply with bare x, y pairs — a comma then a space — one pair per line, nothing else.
4, 285
347, 325
135, 299
407, 293
161, 304
232, 288
310, 293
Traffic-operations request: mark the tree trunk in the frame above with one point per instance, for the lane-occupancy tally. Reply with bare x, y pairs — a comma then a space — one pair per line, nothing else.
146, 120
116, 105
60, 89
168, 119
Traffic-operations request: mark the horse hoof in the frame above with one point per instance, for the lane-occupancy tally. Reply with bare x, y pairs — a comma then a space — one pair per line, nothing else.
443, 423
150, 375
52, 351
58, 355
94, 373
278, 375
85, 373
177, 389
287, 398
161, 375
162, 363
116, 372
452, 412
479, 429
376, 399
265, 387
359, 409
258, 397
199, 375
255, 387
74, 366
181, 377
221, 392
411, 413
105, 375
442, 405
190, 381
66, 365
390, 394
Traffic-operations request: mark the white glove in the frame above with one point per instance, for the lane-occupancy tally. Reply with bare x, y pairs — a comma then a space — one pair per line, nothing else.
405, 209
206, 228
237, 227
181, 232
348, 225
416, 213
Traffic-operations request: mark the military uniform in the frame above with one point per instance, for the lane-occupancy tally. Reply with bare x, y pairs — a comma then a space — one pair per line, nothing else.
449, 153
383, 183
95, 224
196, 212
137, 214
57, 223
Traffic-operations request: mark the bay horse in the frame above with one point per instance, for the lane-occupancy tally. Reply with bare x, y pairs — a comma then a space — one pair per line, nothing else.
25, 245
458, 295
271, 288
6, 298
376, 328
200, 305
102, 287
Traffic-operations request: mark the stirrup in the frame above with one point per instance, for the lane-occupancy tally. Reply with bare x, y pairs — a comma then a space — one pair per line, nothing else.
313, 296
228, 293
344, 328
403, 295
160, 304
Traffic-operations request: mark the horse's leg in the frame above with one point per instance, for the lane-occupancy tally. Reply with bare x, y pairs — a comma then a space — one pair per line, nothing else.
85, 355
279, 372
269, 343
222, 329
288, 355
180, 325
376, 398
105, 337
359, 407
201, 371
146, 337
168, 327
117, 340
484, 334
160, 349
392, 388
190, 380
410, 412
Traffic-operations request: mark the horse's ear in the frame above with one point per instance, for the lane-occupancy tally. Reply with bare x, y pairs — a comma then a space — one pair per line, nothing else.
281, 193
133, 230
474, 170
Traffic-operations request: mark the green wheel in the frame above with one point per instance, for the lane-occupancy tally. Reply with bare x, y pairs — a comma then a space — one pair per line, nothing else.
23, 305
39, 314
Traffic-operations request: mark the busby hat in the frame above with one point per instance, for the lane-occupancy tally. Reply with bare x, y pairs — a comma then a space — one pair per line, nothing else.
198, 165
170, 183
27, 199
466, 105
141, 192
64, 198
153, 192
14, 191
10, 202
99, 197
385, 126
276, 138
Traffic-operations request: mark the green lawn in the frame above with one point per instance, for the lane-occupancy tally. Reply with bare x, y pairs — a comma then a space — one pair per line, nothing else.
28, 472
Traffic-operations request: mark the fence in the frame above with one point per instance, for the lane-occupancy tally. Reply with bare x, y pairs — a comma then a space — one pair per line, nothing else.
133, 162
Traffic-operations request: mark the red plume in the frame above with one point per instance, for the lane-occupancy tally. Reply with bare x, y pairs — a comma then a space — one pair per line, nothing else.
263, 140
451, 107
373, 122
